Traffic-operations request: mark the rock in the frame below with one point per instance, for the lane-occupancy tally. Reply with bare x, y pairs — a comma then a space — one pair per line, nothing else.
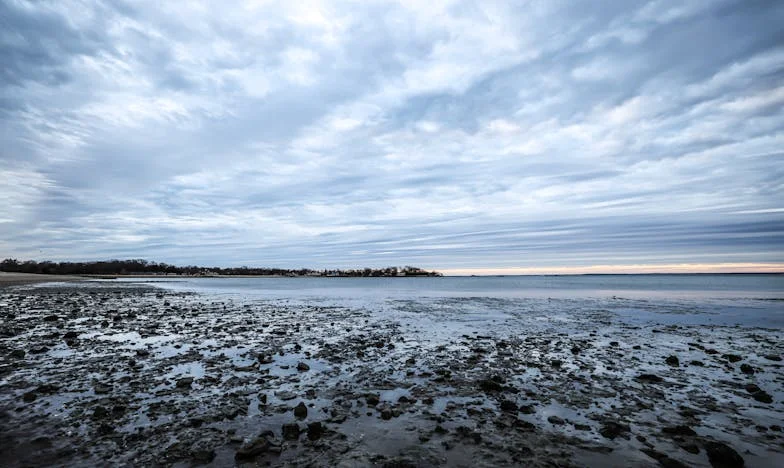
575, 350
752, 388
100, 412
490, 385
315, 430
51, 318
722, 456
679, 430
582, 427
291, 431
29, 397
184, 382
697, 363
386, 414
747, 369
285, 395
252, 449
732, 357
614, 344
612, 429
649, 378
70, 335
201, 452
101, 389
527, 409
556, 363
17, 354
302, 367
762, 396
301, 411
663, 459
372, 400
556, 420
509, 406
773, 357
672, 361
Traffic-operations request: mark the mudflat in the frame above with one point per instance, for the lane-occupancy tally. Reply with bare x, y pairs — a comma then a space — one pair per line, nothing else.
14, 279
101, 374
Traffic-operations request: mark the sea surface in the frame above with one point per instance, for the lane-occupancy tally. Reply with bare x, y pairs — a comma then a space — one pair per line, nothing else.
705, 299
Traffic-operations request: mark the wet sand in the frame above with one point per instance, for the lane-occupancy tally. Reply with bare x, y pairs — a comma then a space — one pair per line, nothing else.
128, 375
16, 279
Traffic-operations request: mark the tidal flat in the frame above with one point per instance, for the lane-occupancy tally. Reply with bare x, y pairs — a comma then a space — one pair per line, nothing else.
125, 374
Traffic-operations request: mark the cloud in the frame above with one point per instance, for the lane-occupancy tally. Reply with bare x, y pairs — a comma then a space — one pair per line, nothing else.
453, 134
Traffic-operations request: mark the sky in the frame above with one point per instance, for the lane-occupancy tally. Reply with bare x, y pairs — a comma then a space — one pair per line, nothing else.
470, 137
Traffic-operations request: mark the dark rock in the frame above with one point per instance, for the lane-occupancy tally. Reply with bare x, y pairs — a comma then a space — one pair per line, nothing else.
372, 400
184, 382
101, 389
732, 357
51, 318
672, 361
679, 430
386, 414
775, 427
527, 409
612, 429
291, 431
697, 363
575, 350
253, 449
142, 353
582, 427
315, 430
614, 344
649, 378
691, 448
752, 388
773, 357
722, 456
508, 406
556, 363
302, 367
70, 335
100, 412
663, 459
301, 411
29, 397
17, 354
201, 453
555, 420
105, 429
762, 396
490, 385
747, 369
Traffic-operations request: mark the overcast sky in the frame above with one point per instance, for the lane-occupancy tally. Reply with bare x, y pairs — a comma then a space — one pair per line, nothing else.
449, 135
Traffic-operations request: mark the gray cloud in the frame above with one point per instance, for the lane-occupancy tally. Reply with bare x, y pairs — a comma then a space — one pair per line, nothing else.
449, 135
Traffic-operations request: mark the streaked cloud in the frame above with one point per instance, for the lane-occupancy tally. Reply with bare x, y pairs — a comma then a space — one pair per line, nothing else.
458, 135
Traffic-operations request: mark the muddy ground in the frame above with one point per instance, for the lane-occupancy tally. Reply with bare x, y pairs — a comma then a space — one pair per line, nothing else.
128, 375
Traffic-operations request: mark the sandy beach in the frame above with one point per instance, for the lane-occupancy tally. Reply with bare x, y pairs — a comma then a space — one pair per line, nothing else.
130, 375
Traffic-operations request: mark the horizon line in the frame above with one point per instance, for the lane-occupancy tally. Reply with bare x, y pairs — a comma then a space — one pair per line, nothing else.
641, 269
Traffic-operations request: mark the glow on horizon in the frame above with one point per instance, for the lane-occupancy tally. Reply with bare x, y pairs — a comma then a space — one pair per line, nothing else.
623, 269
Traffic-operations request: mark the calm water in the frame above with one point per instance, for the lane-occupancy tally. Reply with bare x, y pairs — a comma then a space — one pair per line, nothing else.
747, 300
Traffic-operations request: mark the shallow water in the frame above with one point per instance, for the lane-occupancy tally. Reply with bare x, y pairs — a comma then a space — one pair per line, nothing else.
745, 300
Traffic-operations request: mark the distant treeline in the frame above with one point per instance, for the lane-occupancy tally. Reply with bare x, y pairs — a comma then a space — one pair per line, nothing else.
143, 267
